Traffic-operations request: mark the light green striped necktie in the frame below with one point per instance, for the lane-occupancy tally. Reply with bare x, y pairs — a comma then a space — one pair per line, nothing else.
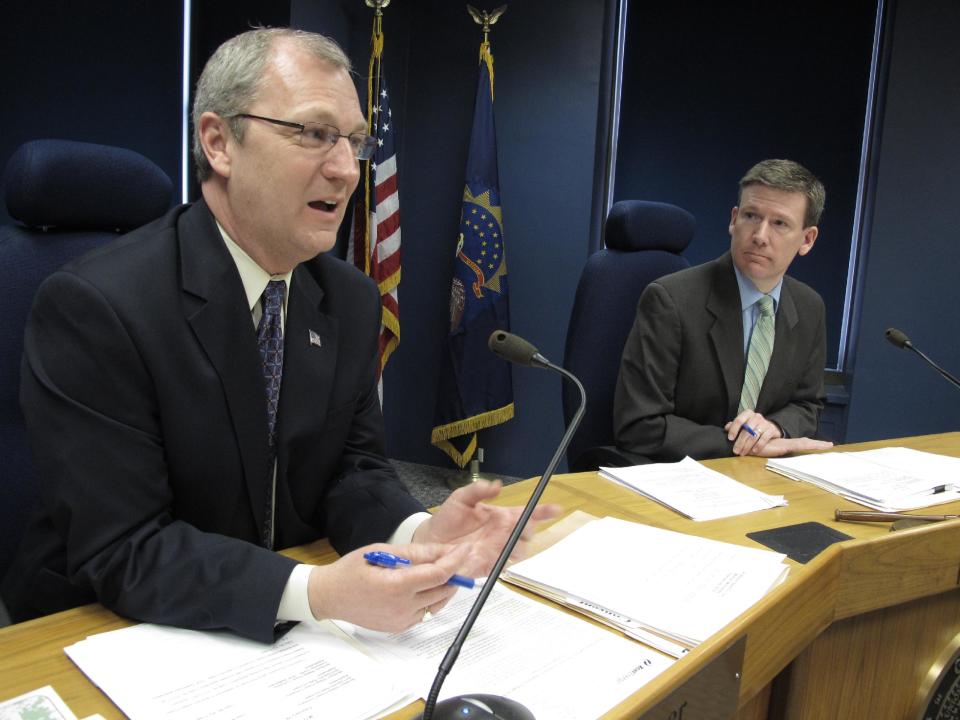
758, 355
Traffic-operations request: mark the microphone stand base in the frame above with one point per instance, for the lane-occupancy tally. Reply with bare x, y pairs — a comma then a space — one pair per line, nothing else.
478, 706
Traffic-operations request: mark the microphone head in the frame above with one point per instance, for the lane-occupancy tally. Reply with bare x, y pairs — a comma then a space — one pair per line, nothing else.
897, 338
511, 347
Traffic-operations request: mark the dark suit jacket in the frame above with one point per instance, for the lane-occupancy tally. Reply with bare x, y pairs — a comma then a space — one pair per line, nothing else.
683, 365
145, 403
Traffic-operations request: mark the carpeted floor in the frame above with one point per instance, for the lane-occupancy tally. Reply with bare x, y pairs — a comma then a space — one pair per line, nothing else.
428, 483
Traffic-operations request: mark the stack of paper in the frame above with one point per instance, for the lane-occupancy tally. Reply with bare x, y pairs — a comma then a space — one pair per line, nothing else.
667, 589
151, 671
519, 648
889, 479
693, 489
553, 663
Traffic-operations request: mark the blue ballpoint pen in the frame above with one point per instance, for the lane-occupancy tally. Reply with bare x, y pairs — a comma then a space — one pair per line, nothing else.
389, 560
749, 429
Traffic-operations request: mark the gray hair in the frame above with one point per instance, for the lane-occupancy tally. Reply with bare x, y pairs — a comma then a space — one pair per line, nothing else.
233, 77
789, 176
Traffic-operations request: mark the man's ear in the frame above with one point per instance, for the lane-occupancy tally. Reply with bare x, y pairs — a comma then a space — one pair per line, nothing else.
216, 141
733, 219
809, 238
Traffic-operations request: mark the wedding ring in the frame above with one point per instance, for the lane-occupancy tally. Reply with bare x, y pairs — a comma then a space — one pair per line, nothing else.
426, 614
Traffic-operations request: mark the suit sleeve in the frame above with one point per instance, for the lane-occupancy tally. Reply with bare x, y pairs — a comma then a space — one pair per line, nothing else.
645, 419
93, 417
799, 417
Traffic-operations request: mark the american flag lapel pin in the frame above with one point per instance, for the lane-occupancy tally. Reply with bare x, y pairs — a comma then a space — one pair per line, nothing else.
315, 339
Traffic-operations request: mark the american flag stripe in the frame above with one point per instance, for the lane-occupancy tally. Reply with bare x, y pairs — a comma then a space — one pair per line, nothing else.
387, 226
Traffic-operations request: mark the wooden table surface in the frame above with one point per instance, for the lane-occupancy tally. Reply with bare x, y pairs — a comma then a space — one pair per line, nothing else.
875, 569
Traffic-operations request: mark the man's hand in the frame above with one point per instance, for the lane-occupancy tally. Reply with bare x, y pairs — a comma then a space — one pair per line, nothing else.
465, 518
747, 443
767, 441
785, 446
386, 599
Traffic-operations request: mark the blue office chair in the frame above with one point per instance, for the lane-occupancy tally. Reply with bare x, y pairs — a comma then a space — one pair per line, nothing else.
68, 198
643, 242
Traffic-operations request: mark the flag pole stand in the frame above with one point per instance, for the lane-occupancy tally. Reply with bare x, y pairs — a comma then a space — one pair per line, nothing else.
471, 474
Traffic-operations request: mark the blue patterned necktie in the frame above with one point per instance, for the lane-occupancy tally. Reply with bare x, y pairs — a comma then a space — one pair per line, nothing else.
758, 355
270, 341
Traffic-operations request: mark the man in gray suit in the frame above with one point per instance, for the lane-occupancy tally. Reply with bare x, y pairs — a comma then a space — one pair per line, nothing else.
699, 332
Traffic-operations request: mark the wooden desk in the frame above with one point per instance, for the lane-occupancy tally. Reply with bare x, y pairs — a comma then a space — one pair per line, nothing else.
849, 635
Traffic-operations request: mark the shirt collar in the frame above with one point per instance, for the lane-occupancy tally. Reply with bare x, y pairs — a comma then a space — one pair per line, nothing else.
253, 277
749, 294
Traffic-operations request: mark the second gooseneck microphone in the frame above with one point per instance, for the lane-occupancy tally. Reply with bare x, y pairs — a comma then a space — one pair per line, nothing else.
900, 339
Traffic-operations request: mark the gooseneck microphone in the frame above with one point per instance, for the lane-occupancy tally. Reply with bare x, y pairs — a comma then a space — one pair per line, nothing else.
516, 350
899, 338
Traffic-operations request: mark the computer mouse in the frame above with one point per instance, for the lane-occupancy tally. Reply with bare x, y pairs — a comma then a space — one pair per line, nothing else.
481, 707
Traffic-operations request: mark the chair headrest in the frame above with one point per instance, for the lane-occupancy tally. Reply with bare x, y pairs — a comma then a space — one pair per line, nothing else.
643, 225
83, 186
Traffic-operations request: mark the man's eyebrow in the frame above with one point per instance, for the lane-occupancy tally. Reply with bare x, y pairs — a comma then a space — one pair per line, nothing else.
325, 118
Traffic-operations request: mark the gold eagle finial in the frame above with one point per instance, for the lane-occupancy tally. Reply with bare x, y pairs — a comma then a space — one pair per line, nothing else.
378, 4
484, 18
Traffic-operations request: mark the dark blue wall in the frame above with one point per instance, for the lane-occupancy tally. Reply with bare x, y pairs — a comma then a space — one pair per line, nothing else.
99, 72
912, 273
711, 88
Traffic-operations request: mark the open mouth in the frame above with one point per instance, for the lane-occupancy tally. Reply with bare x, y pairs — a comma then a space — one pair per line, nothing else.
323, 205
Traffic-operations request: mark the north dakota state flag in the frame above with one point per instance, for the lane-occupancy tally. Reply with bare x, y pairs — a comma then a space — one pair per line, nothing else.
476, 388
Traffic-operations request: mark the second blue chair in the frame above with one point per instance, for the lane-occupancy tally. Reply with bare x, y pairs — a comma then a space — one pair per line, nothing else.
643, 242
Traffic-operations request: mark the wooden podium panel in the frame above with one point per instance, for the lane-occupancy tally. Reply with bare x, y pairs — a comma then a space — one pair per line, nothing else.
869, 666
852, 634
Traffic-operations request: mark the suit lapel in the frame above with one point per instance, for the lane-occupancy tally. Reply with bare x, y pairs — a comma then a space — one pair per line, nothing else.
309, 355
215, 306
726, 331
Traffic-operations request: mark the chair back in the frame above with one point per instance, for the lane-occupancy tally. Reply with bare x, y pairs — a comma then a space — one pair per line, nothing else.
67, 197
643, 242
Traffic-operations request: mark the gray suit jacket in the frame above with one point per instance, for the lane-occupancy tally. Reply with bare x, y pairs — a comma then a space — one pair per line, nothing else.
144, 399
683, 365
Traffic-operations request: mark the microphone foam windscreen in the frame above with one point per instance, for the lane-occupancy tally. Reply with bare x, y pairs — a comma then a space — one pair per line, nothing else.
511, 348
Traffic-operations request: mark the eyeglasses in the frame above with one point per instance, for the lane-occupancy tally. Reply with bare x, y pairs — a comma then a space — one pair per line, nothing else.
319, 136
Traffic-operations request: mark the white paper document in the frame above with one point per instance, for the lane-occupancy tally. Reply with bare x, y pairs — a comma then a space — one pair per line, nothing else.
888, 479
555, 664
680, 587
693, 489
154, 672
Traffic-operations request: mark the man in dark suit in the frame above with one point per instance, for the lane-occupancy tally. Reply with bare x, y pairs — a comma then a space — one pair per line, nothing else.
685, 378
170, 468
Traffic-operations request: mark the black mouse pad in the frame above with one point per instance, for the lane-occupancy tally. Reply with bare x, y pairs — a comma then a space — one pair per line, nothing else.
801, 542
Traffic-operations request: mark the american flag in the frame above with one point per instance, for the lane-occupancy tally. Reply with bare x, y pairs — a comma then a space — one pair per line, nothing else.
376, 232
